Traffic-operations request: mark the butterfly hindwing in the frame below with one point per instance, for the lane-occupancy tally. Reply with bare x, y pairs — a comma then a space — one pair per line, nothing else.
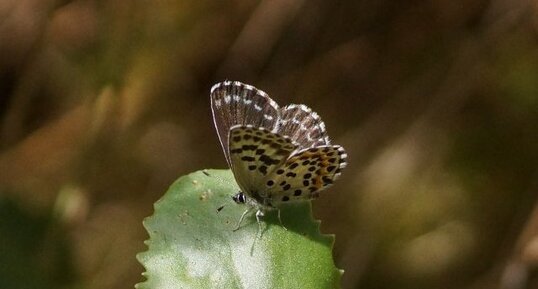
305, 174
255, 153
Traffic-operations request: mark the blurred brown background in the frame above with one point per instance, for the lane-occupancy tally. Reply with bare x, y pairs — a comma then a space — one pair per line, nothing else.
103, 104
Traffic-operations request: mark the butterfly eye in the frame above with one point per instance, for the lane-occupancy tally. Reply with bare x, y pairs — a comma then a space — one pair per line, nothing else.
239, 198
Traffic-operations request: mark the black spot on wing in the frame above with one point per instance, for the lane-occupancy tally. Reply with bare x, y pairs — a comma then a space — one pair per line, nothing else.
267, 160
249, 147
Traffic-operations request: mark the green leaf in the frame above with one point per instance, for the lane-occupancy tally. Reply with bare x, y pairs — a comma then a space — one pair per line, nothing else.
193, 245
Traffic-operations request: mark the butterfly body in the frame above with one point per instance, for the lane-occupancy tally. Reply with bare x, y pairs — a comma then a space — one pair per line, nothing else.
277, 155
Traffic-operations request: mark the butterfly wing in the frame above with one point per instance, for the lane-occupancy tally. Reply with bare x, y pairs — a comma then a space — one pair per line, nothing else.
234, 103
305, 174
255, 153
302, 125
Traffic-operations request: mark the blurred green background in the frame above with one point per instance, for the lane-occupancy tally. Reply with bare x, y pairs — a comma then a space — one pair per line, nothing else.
103, 104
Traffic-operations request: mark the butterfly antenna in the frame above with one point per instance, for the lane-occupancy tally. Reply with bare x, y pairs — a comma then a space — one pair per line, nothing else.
220, 181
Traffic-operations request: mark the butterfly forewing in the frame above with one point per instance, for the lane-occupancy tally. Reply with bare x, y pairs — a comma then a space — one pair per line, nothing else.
305, 174
302, 125
234, 103
255, 153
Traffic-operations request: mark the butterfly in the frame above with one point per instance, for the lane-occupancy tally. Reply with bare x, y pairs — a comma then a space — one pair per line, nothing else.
276, 154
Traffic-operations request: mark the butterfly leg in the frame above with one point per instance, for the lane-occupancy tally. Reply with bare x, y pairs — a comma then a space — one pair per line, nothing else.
242, 218
280, 220
259, 215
